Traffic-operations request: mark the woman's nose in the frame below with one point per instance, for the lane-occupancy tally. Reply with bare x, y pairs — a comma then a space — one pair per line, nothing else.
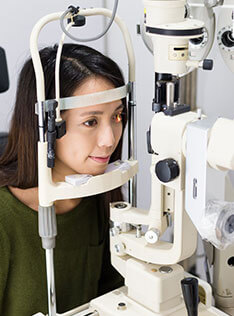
106, 137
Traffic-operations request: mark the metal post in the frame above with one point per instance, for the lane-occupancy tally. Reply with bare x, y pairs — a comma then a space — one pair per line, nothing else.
47, 226
188, 92
131, 143
50, 282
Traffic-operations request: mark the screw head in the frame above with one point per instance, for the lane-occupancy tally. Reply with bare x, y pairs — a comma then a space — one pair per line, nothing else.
120, 205
119, 249
114, 231
122, 306
165, 269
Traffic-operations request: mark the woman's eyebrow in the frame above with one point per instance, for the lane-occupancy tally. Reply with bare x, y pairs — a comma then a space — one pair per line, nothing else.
121, 106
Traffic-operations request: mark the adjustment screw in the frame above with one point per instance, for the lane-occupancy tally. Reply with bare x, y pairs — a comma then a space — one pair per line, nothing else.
152, 236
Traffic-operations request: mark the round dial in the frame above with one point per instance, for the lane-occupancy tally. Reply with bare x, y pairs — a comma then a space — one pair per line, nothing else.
167, 170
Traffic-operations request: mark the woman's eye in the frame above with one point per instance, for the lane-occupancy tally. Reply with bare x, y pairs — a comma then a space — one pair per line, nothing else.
118, 118
90, 123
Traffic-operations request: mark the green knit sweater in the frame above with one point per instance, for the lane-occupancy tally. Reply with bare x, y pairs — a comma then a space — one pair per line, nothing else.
81, 257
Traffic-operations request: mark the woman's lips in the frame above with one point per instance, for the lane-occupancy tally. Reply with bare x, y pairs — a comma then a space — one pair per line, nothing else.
100, 159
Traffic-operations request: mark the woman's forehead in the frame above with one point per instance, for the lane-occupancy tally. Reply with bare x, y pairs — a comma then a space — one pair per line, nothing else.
93, 85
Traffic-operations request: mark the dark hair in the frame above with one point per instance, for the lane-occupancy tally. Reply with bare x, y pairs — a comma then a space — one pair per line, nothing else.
18, 164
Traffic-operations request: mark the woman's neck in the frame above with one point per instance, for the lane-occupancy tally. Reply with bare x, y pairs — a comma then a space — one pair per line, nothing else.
29, 197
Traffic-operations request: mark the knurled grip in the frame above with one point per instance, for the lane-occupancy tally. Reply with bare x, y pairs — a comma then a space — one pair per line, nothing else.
47, 226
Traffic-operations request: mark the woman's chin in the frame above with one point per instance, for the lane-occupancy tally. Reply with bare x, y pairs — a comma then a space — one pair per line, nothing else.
98, 172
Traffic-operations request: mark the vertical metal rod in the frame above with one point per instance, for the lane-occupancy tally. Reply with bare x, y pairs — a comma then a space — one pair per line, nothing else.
193, 85
48, 252
138, 231
188, 90
41, 121
131, 142
50, 282
170, 94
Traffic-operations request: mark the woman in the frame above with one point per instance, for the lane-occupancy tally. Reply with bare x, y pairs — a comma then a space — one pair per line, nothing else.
93, 139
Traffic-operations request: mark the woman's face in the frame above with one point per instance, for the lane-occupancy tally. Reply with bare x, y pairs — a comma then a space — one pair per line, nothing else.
92, 134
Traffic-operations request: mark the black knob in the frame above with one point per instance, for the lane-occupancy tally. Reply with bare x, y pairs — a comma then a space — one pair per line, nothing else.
190, 293
79, 20
167, 170
207, 64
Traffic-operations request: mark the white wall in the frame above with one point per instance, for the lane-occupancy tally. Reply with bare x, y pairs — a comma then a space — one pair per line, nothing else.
17, 19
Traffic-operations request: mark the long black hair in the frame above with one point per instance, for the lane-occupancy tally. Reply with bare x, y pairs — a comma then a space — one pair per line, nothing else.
18, 164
